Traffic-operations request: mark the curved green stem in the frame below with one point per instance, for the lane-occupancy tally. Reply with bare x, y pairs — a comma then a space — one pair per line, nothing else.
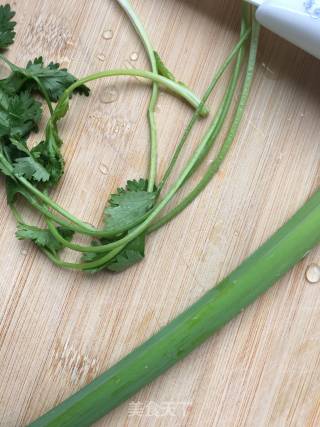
43, 91
214, 167
196, 114
126, 6
84, 265
175, 87
47, 200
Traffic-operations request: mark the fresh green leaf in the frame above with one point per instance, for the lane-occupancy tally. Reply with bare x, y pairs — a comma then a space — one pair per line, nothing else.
130, 255
55, 80
20, 145
43, 237
19, 114
128, 207
48, 154
31, 169
13, 83
7, 33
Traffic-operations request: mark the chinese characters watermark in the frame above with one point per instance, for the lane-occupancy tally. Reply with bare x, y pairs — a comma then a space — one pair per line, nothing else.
158, 409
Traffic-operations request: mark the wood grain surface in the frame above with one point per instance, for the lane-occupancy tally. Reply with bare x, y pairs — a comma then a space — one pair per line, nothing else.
60, 329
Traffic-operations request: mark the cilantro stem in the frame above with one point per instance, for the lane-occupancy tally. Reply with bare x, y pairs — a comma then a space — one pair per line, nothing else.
46, 199
44, 92
194, 159
214, 167
86, 265
174, 87
196, 114
125, 4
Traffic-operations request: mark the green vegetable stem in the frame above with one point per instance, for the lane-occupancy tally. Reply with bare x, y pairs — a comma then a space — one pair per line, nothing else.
186, 332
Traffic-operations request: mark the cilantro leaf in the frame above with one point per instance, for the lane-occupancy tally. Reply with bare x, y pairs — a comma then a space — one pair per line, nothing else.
53, 78
31, 169
128, 206
7, 33
48, 154
130, 255
42, 236
19, 114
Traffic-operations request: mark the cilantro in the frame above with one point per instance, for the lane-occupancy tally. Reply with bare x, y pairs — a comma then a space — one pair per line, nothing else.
19, 114
31, 169
54, 79
7, 33
130, 255
31, 172
128, 206
47, 153
42, 237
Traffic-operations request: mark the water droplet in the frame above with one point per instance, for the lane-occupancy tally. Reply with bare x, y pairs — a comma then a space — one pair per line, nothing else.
313, 273
101, 57
107, 35
24, 252
109, 95
103, 169
134, 56
146, 366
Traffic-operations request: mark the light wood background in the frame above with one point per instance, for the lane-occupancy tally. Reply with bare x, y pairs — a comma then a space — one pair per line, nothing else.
60, 329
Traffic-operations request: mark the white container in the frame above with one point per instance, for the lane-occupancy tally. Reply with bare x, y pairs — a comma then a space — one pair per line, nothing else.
297, 21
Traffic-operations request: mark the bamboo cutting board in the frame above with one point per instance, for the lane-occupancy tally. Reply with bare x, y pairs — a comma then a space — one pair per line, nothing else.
60, 329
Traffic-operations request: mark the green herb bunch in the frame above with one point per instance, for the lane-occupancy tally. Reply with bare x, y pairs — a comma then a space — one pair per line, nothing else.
133, 211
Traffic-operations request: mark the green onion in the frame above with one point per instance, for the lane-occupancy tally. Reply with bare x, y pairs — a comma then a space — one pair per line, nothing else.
173, 342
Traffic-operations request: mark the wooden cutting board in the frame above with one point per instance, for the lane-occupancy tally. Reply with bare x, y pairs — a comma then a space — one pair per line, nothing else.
60, 329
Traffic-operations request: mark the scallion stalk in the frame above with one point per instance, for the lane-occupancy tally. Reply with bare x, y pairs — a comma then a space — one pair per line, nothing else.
191, 328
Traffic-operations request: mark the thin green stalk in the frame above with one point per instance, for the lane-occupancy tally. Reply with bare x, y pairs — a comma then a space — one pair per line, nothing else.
214, 167
174, 87
85, 265
47, 200
196, 114
191, 328
125, 4
44, 93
